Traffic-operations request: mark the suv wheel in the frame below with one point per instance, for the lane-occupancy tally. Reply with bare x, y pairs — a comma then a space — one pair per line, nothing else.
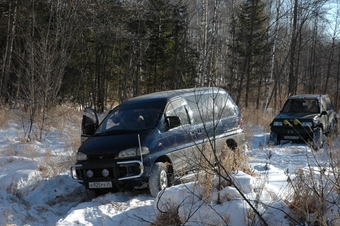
334, 128
158, 179
317, 138
274, 138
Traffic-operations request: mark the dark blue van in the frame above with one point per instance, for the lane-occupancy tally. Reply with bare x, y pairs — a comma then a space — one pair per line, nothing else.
154, 139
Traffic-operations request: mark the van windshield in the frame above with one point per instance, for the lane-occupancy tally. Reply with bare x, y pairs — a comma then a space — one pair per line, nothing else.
131, 118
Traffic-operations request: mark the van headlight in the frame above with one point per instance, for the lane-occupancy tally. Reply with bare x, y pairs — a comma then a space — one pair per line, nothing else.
81, 156
133, 152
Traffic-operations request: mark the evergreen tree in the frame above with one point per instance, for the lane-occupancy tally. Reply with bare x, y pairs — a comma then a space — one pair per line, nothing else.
250, 46
168, 64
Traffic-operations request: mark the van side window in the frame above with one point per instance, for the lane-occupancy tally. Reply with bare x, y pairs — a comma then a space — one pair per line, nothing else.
194, 107
226, 106
203, 107
196, 104
177, 108
208, 107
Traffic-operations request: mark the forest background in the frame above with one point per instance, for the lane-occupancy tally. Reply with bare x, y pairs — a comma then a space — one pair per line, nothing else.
101, 52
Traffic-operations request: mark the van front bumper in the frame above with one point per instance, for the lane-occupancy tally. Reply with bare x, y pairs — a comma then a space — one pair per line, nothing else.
102, 173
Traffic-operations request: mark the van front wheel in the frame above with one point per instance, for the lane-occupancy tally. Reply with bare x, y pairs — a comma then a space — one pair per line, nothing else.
158, 179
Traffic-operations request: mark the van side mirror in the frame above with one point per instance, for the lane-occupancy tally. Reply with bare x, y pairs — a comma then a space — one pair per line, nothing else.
173, 121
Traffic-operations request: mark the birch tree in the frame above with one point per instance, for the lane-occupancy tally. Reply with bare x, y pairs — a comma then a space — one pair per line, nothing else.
272, 56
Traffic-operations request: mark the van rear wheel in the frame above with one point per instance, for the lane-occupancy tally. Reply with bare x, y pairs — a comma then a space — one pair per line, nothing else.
159, 178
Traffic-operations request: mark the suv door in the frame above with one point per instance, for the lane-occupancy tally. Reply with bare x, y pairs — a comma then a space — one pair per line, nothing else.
89, 123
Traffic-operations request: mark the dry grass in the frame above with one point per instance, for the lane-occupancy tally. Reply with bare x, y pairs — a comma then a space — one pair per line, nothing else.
9, 152
9, 216
227, 162
62, 121
62, 117
205, 171
27, 151
258, 118
235, 160
305, 201
169, 217
311, 196
5, 116
72, 142
207, 168
58, 118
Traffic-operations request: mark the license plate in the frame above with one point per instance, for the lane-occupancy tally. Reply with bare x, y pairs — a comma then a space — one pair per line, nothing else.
104, 184
291, 137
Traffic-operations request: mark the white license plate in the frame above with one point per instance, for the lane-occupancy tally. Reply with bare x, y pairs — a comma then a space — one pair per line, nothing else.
105, 184
291, 137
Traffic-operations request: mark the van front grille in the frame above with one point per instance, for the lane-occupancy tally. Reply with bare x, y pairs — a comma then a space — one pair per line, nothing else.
100, 157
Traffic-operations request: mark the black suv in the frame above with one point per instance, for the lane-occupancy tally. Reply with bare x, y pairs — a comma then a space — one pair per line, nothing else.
306, 118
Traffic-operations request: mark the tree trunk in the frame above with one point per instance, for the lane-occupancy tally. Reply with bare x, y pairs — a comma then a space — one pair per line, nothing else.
292, 78
12, 17
329, 65
269, 79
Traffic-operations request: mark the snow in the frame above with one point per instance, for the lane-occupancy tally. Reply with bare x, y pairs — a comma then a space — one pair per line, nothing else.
34, 192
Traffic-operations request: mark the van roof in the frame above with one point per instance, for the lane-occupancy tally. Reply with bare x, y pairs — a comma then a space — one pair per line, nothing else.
173, 94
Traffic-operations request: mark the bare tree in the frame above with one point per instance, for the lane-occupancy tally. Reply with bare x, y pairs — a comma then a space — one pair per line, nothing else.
7, 58
272, 56
43, 63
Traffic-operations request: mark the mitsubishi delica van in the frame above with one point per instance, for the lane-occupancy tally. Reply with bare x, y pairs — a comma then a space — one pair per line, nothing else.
154, 139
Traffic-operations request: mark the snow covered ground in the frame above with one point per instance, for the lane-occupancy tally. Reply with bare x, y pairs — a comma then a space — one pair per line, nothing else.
34, 192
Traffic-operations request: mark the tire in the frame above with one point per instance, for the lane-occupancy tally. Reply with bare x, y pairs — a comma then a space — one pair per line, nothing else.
274, 138
334, 129
158, 179
318, 138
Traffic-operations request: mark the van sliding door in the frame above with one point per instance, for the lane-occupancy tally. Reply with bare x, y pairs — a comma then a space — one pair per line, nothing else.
179, 140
